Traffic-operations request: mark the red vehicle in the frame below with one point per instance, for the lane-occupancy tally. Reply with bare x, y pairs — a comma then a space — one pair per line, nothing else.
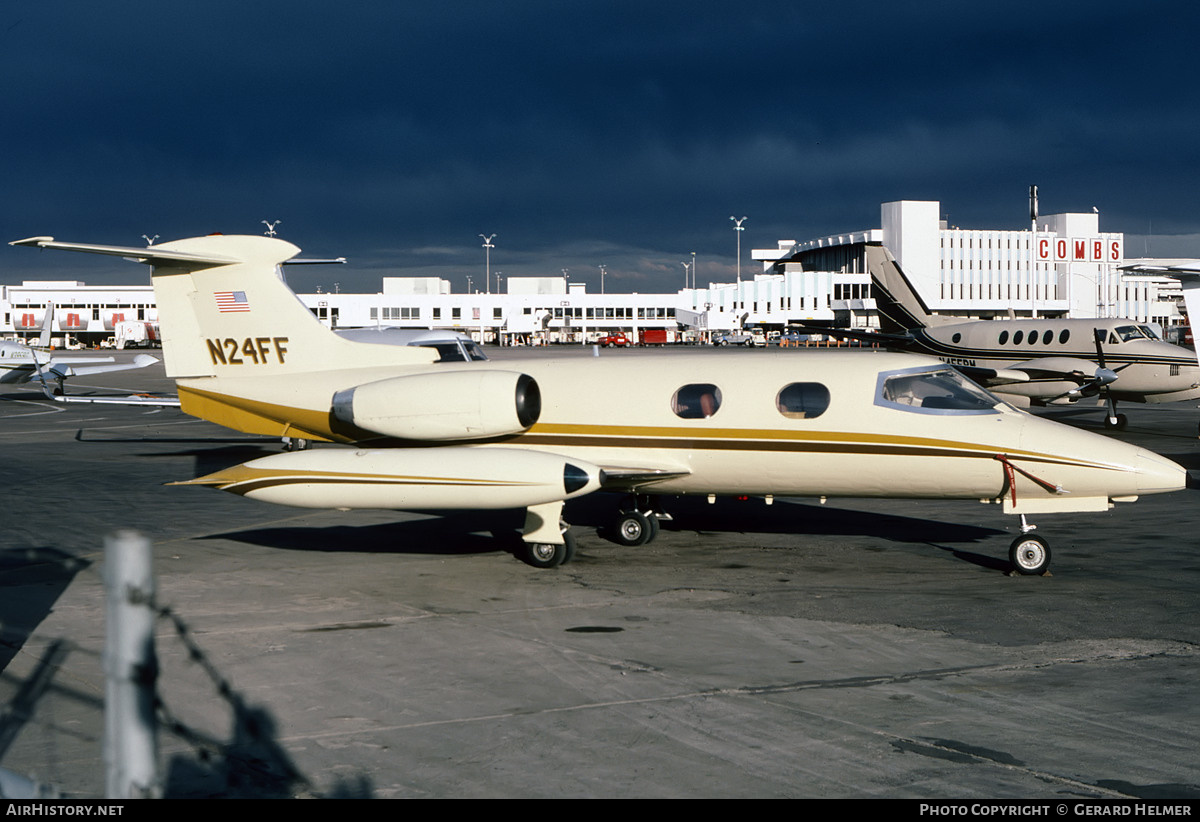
610, 340
654, 336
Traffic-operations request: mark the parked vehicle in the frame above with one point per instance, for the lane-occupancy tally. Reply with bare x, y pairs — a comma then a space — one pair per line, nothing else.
753, 337
655, 336
793, 339
618, 340
137, 334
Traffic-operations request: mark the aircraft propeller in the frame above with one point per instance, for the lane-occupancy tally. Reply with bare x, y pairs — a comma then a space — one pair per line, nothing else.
1099, 384
1105, 376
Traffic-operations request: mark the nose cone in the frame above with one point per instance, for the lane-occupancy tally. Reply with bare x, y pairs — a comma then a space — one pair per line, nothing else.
1157, 474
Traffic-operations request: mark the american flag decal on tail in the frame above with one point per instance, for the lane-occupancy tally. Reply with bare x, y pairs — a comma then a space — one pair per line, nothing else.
228, 301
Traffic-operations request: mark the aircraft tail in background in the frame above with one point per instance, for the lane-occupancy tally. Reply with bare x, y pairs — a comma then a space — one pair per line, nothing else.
900, 307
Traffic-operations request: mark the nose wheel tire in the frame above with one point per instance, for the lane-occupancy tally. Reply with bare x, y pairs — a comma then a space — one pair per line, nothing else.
1116, 423
1029, 555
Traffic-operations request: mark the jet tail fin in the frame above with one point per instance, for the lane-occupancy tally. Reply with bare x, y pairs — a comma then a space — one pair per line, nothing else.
900, 307
47, 326
225, 310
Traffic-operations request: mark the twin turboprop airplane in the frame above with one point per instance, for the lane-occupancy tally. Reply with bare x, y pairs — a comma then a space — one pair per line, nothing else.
1041, 361
22, 363
434, 427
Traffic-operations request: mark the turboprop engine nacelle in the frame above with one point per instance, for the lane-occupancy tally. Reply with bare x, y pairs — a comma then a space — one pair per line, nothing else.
443, 406
451, 477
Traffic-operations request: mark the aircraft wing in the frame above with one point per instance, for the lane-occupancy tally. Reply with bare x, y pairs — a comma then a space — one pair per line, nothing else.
67, 367
1170, 267
991, 377
1049, 379
150, 400
624, 478
1065, 368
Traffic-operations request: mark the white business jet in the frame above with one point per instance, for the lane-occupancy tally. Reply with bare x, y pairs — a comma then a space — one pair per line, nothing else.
431, 428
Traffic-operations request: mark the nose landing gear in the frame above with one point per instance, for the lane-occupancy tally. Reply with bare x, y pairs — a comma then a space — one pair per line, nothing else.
1029, 555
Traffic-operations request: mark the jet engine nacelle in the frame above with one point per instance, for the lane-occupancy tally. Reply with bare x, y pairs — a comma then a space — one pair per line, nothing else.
443, 406
451, 477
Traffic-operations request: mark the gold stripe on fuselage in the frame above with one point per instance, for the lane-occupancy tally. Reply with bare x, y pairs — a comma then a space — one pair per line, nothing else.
256, 417
737, 439
245, 479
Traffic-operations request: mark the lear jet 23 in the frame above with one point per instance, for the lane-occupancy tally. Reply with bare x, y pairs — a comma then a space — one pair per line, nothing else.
1043, 361
429, 428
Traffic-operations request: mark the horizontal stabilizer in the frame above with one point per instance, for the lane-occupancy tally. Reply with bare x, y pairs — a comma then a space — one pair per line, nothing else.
873, 337
149, 255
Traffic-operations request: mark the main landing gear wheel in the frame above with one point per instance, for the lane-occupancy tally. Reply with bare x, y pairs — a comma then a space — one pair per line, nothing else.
1029, 555
1117, 423
547, 554
634, 528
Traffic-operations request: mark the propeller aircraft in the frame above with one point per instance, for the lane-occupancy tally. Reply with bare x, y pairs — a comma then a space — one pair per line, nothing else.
1039, 361
21, 363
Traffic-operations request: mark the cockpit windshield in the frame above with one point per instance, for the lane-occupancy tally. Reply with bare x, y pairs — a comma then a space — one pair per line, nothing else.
940, 391
1131, 332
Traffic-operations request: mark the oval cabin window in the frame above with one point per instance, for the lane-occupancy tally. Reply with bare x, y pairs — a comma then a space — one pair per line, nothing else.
1003, 337
802, 400
1017, 337
696, 401
1063, 336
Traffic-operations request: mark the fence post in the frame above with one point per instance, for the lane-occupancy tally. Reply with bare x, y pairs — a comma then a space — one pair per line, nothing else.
131, 669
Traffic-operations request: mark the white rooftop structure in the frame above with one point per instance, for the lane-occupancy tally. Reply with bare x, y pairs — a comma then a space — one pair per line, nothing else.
1063, 266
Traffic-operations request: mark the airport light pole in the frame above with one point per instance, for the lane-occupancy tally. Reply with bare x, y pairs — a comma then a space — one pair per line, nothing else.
149, 240
487, 251
693, 269
685, 264
603, 269
737, 226
270, 232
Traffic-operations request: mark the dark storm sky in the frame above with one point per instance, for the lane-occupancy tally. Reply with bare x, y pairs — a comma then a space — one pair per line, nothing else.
582, 133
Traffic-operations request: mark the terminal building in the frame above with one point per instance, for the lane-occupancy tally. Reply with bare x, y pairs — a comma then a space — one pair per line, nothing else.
1063, 266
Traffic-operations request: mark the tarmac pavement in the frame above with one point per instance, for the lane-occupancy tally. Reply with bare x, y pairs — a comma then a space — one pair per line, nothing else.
860, 648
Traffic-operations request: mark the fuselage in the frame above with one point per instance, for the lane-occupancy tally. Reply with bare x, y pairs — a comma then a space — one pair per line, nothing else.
17, 362
819, 423
1148, 369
